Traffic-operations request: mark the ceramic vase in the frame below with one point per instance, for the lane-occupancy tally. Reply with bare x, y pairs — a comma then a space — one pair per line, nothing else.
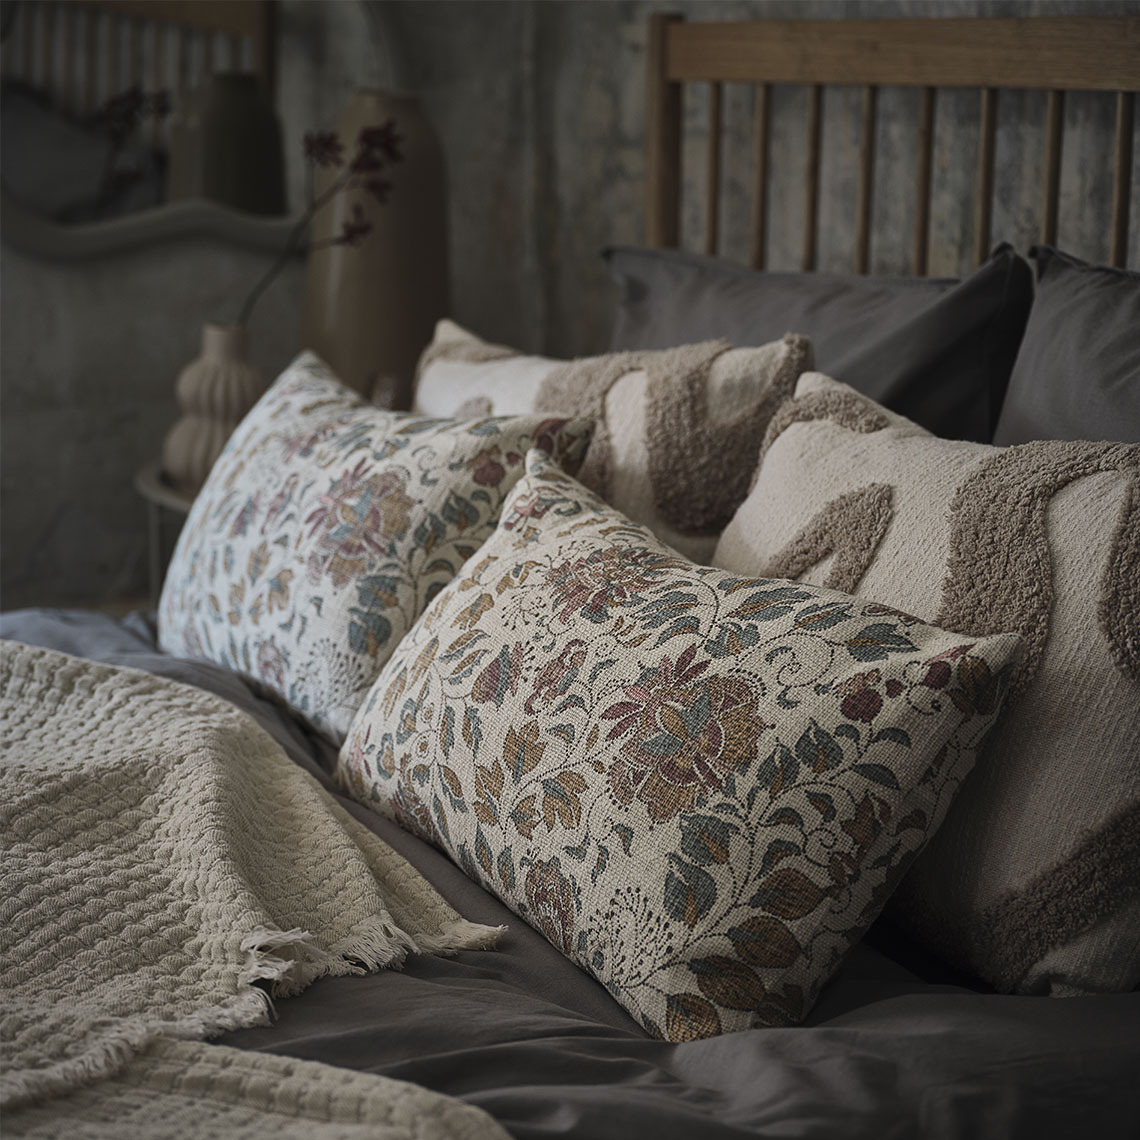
370, 309
214, 392
226, 145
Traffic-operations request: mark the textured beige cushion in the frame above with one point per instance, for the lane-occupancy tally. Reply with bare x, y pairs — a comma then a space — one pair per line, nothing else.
1034, 880
700, 787
325, 528
676, 432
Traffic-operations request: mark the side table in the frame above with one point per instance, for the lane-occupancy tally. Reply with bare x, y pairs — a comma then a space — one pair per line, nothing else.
160, 497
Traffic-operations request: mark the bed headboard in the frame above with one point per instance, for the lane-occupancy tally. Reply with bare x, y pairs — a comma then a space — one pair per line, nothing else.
1056, 56
82, 52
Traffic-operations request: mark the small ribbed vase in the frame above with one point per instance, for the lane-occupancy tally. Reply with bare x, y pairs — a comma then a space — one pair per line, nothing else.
370, 309
214, 392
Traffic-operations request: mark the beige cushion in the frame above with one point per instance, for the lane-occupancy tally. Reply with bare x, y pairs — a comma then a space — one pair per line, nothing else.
677, 432
324, 529
700, 788
1034, 881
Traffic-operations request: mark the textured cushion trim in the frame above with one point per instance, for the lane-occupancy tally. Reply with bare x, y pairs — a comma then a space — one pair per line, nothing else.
999, 574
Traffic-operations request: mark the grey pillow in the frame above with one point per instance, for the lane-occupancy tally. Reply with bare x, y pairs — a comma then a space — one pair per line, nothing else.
1077, 373
937, 350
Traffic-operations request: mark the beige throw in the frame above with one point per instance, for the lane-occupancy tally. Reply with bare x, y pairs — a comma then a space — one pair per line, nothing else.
161, 855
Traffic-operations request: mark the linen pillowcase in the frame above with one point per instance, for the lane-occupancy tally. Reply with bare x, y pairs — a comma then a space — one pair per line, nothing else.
676, 433
324, 529
937, 350
700, 787
1077, 373
1032, 881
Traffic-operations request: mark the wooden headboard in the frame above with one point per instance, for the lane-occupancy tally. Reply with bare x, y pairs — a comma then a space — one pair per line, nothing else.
1056, 56
83, 52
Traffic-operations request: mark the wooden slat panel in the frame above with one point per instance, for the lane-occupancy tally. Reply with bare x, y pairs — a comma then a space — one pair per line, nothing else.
207, 55
866, 180
229, 17
91, 21
811, 177
69, 78
235, 43
1122, 181
922, 180
1051, 175
47, 46
663, 172
761, 127
984, 194
114, 84
1040, 52
134, 53
182, 85
27, 18
712, 171
157, 74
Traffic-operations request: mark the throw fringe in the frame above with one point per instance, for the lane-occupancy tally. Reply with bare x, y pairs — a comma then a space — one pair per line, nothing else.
461, 935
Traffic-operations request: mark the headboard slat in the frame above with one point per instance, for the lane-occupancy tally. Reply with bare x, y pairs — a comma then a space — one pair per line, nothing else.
1037, 53
984, 195
90, 61
663, 164
866, 179
1051, 179
925, 156
47, 43
811, 176
761, 128
712, 174
1122, 180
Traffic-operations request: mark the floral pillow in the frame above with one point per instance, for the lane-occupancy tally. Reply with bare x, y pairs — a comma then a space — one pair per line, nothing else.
700, 787
325, 528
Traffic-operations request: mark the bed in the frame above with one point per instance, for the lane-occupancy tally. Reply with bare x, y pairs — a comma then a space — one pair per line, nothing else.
900, 1041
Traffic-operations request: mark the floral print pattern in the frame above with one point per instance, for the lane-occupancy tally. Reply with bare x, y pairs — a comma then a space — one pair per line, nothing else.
700, 787
326, 527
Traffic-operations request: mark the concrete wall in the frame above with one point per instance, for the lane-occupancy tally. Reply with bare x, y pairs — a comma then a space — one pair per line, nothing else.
540, 109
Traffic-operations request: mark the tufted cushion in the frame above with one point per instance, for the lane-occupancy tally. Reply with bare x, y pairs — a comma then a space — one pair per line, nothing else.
1032, 882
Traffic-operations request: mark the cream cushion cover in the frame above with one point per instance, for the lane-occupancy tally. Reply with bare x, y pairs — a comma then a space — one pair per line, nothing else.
1034, 880
700, 787
676, 432
325, 528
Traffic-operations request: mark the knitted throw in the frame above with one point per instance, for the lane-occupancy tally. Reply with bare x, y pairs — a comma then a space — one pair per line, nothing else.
161, 854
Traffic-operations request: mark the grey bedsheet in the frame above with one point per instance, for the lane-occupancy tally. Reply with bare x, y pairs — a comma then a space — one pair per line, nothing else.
524, 1034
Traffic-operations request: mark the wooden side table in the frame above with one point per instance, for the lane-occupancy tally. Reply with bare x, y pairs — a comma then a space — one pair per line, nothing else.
160, 497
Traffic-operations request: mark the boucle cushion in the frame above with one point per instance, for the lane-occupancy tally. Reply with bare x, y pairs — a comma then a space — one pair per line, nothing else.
676, 432
700, 787
1033, 881
325, 528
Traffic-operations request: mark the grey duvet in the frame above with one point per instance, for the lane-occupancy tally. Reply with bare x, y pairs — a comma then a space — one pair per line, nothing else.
891, 1049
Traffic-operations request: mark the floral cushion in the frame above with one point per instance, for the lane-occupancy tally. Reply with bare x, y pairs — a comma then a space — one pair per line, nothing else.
700, 787
326, 527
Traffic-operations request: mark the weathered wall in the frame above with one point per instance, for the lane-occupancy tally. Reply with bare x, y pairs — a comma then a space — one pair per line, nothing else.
540, 108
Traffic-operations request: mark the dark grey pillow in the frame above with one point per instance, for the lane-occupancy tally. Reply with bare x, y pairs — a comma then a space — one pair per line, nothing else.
937, 350
1077, 373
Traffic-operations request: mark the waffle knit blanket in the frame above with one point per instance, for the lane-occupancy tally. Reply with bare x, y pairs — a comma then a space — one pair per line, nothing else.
161, 855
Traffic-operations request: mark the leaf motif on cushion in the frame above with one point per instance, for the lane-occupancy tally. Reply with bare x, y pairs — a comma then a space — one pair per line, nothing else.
690, 1018
762, 941
689, 892
729, 983
787, 893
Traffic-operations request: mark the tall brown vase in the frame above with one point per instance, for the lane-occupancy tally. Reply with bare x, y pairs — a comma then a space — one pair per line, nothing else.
370, 309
